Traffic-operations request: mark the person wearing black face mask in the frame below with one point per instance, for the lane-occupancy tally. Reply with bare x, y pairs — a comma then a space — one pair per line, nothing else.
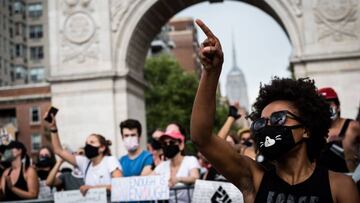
180, 170
19, 181
98, 166
290, 123
45, 162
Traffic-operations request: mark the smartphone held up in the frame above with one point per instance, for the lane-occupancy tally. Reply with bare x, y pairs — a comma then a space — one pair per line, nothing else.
51, 111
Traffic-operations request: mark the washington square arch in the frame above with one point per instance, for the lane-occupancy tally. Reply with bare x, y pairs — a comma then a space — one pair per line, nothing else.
98, 49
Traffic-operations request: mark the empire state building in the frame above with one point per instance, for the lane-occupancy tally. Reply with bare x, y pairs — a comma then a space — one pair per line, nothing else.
236, 88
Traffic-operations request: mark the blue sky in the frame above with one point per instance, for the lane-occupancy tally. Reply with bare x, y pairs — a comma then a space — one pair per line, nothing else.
263, 49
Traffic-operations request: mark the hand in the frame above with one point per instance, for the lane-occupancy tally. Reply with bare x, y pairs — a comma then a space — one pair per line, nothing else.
52, 125
233, 112
84, 189
173, 181
211, 55
8, 182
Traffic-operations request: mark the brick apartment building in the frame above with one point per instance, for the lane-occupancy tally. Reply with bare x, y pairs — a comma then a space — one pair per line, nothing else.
183, 34
22, 107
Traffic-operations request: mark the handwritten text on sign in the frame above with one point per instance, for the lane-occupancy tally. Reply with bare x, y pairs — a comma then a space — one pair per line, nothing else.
74, 196
139, 188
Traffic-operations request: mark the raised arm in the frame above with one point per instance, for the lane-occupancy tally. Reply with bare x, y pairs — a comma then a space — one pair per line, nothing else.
240, 170
52, 180
351, 145
232, 117
56, 144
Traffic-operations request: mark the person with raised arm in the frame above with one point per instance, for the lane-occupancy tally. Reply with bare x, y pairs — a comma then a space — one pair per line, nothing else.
98, 166
290, 121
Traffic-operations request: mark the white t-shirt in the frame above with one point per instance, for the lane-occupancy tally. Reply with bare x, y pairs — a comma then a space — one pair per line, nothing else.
187, 164
99, 174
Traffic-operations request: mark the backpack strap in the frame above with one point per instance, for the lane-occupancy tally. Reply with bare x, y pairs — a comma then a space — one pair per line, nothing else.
86, 170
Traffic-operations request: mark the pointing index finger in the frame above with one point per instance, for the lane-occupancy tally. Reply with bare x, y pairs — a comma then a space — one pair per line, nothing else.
204, 28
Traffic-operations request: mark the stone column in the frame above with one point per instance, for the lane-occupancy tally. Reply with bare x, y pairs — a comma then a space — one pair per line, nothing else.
92, 96
330, 31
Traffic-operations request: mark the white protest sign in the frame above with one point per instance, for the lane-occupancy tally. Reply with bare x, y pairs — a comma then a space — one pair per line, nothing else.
139, 188
216, 192
74, 196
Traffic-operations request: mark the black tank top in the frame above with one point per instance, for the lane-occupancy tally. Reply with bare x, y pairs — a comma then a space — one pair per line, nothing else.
332, 156
20, 183
315, 189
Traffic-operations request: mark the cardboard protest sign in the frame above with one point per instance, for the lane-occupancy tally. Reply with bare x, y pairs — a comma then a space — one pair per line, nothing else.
216, 192
74, 196
139, 188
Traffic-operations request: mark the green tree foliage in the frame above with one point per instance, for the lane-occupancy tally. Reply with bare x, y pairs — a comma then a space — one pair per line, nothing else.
171, 94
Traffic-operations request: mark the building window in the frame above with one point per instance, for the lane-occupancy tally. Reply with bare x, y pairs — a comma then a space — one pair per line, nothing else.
18, 50
35, 142
20, 72
36, 31
18, 7
17, 29
35, 10
37, 74
34, 115
36, 53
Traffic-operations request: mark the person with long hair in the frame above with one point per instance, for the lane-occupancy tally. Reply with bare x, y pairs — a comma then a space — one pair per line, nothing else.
45, 162
98, 166
19, 181
179, 169
290, 122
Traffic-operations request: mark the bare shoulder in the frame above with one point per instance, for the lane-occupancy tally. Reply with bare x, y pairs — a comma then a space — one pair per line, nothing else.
6, 172
355, 125
354, 129
347, 186
30, 172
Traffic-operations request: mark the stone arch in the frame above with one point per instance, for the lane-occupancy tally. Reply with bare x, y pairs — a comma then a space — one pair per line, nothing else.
147, 20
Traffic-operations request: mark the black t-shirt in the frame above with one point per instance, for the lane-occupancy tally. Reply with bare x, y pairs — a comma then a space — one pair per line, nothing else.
316, 189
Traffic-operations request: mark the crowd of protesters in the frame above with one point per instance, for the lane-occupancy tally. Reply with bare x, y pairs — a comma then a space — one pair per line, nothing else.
294, 135
94, 166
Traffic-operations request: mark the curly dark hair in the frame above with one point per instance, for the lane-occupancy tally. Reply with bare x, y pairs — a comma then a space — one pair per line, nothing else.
313, 108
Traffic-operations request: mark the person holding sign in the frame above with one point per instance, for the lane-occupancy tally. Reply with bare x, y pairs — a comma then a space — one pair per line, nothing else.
98, 166
290, 121
180, 170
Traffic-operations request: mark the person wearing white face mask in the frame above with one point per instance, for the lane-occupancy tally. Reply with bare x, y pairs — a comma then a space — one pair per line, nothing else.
137, 162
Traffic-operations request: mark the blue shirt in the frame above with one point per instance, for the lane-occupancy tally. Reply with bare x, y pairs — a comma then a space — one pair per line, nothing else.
134, 167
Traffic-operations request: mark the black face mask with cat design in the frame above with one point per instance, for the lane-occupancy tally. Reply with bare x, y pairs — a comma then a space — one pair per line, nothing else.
274, 142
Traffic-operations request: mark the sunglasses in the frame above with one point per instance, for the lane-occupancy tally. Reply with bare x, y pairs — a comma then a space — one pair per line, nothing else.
277, 118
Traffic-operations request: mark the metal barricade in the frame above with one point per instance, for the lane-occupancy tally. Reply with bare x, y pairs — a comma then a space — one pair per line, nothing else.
175, 200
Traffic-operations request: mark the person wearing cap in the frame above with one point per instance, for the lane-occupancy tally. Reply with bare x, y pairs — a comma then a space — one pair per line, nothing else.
137, 162
180, 170
20, 181
342, 151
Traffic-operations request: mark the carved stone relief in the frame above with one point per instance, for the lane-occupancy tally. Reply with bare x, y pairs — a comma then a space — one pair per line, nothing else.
296, 6
79, 36
336, 19
118, 10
